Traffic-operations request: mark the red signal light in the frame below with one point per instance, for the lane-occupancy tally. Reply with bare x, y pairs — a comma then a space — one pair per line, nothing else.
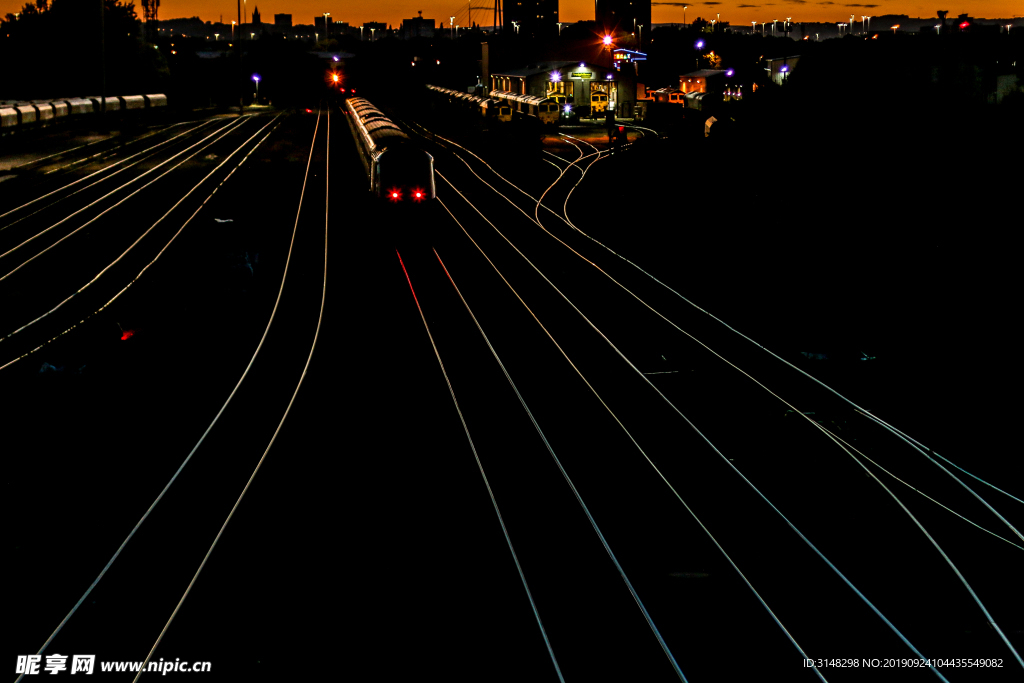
395, 196
417, 194
965, 24
622, 128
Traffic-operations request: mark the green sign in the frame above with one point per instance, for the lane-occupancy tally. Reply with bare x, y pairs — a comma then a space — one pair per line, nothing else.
581, 74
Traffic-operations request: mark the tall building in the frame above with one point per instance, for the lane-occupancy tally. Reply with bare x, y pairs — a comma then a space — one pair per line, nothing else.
283, 20
256, 16
535, 18
623, 15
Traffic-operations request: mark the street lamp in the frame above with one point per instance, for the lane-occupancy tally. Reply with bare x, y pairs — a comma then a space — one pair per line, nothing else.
515, 25
251, 36
216, 37
684, 15
451, 27
753, 27
639, 39
327, 31
762, 28
232, 31
372, 29
863, 25
894, 28
560, 27
256, 78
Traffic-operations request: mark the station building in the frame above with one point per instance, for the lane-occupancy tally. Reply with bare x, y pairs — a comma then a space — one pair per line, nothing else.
578, 81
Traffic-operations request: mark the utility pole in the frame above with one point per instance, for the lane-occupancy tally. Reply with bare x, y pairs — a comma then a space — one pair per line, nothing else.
238, 49
103, 62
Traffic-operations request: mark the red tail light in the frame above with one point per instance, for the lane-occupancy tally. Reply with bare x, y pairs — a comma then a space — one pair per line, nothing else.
395, 196
418, 194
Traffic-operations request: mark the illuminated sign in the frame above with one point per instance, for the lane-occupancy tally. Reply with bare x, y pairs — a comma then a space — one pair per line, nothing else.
581, 74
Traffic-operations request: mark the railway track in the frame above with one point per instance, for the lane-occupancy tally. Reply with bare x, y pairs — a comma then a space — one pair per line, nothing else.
186, 496
504, 239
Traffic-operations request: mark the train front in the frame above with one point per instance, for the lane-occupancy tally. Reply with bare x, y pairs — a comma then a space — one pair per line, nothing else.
404, 173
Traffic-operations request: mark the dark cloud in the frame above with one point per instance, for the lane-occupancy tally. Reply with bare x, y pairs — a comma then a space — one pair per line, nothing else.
744, 6
868, 6
688, 4
799, 2
827, 2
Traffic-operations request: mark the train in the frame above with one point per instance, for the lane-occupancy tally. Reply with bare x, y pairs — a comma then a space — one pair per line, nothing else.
545, 109
18, 116
688, 100
399, 171
485, 108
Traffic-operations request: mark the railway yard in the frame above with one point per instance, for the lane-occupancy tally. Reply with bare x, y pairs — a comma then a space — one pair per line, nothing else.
257, 418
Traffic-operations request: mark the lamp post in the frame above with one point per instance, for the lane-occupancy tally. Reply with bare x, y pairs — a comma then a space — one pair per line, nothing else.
639, 40
232, 31
372, 29
894, 28
256, 78
451, 27
327, 31
863, 24
216, 37
753, 27
762, 28
684, 15
851, 22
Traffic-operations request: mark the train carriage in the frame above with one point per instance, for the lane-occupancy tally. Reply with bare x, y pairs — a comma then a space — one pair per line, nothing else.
398, 170
487, 108
544, 109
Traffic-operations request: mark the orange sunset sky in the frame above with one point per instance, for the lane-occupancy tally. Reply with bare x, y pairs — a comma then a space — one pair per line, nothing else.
736, 12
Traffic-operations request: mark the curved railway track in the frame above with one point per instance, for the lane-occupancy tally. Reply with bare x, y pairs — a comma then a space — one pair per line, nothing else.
885, 622
127, 608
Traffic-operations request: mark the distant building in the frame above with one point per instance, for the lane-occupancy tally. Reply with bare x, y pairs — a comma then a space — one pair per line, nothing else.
324, 25
623, 15
283, 20
417, 27
256, 17
705, 80
535, 18
373, 30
